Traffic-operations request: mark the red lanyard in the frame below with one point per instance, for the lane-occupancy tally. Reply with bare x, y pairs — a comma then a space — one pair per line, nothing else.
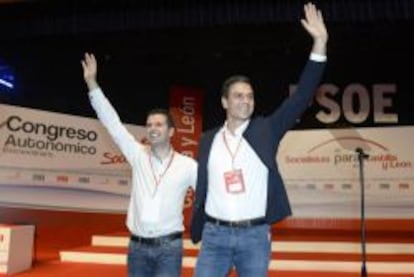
158, 180
233, 155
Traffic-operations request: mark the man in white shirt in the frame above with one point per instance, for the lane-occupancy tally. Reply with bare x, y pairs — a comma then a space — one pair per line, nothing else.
240, 192
160, 179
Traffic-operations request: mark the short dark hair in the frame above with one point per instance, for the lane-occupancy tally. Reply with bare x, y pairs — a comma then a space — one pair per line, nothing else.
166, 113
230, 81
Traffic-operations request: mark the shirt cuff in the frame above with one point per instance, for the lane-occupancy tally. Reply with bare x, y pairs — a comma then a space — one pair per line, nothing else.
317, 57
94, 91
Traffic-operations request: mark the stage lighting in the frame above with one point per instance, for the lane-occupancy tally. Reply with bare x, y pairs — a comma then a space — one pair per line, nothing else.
7, 77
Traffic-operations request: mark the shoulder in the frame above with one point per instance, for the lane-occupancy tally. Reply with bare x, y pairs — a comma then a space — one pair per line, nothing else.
209, 134
185, 159
256, 122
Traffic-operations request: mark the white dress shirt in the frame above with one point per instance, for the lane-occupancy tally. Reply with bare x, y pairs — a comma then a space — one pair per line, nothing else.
154, 210
222, 204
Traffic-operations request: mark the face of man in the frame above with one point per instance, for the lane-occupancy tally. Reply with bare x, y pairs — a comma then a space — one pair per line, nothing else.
240, 101
158, 132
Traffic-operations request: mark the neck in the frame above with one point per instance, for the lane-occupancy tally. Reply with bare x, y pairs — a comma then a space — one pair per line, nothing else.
161, 151
233, 124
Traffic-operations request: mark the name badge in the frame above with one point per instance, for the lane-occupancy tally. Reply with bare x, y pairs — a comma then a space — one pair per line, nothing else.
234, 181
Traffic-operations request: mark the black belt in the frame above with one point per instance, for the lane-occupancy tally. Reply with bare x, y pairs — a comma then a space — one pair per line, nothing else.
239, 223
157, 241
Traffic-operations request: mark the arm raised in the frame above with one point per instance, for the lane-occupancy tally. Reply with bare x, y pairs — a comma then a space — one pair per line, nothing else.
315, 26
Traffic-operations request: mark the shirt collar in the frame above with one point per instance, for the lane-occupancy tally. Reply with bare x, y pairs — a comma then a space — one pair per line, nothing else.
158, 159
239, 130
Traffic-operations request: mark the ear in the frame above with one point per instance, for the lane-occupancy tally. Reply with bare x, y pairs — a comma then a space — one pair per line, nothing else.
224, 102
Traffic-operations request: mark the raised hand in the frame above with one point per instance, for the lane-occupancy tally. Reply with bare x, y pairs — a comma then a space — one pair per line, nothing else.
89, 66
315, 26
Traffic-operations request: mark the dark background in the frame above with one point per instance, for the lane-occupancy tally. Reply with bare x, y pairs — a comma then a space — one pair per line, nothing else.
145, 47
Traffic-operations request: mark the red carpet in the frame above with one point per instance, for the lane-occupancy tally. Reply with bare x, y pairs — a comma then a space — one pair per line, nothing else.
59, 230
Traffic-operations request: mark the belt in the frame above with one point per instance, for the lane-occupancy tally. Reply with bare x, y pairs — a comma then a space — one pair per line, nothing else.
239, 223
157, 241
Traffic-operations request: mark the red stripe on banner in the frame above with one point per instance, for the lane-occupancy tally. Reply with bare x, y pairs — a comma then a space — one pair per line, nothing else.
186, 108
62, 179
404, 186
351, 224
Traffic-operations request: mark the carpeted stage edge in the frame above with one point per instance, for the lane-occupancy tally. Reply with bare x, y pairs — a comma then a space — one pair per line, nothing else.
57, 230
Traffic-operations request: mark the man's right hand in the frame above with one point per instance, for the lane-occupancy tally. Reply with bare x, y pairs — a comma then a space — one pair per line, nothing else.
89, 66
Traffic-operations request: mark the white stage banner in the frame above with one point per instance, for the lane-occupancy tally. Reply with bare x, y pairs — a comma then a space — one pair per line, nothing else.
322, 172
56, 161
52, 160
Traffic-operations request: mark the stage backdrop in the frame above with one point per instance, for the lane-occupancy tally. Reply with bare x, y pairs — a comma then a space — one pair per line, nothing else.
322, 174
58, 161
51, 160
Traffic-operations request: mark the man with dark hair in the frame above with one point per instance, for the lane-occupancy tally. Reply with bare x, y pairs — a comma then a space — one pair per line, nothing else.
160, 179
240, 192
